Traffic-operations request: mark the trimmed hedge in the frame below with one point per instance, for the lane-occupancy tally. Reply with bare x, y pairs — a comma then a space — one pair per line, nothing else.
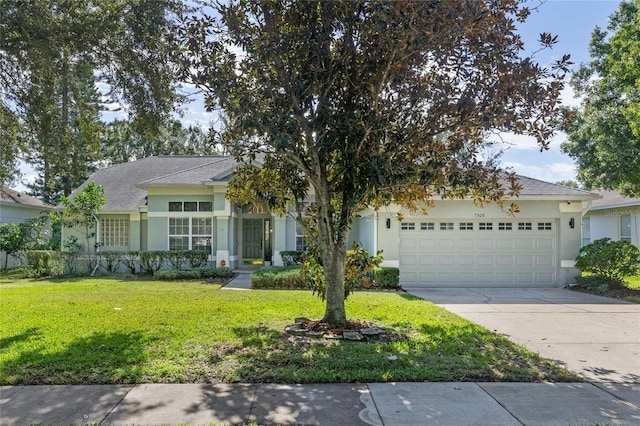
387, 277
192, 274
279, 277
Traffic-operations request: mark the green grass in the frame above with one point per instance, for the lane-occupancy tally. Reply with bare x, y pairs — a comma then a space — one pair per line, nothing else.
121, 331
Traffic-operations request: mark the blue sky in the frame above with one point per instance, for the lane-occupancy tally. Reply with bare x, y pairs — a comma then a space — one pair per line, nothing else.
573, 22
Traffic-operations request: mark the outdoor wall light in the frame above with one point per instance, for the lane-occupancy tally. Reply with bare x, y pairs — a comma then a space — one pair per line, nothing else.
388, 223
572, 223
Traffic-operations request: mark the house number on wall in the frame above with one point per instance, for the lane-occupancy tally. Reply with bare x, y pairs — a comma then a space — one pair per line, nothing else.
479, 215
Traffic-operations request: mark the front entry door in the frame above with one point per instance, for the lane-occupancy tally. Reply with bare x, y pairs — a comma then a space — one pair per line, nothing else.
252, 235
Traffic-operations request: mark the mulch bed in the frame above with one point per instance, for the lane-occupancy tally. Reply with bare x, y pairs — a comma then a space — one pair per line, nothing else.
621, 293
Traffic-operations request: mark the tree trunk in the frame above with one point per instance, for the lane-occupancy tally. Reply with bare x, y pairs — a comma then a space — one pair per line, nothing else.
334, 259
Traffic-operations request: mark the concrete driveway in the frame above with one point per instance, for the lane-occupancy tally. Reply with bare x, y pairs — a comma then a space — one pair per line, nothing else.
595, 337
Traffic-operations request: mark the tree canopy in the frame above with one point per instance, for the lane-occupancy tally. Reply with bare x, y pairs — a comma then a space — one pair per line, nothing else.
52, 55
365, 103
604, 134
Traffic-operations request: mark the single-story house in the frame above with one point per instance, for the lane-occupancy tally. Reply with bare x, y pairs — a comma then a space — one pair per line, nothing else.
612, 216
16, 207
178, 202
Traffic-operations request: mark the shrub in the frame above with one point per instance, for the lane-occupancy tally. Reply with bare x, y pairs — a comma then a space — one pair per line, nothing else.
222, 272
130, 260
176, 258
197, 258
387, 277
112, 260
612, 260
44, 262
177, 274
594, 284
279, 277
192, 274
292, 257
152, 261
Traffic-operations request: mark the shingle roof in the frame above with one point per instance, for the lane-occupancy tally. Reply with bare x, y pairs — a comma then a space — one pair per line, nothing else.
611, 199
9, 195
536, 187
125, 184
122, 182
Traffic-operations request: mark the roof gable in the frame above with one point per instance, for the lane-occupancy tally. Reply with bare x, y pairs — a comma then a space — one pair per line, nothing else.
10, 196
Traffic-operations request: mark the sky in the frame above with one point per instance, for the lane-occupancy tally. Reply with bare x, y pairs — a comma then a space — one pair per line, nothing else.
573, 22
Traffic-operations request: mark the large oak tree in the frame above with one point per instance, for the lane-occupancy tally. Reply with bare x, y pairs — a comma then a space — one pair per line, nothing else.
604, 135
367, 103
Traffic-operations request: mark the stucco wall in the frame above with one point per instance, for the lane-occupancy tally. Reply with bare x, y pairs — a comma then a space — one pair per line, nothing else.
605, 223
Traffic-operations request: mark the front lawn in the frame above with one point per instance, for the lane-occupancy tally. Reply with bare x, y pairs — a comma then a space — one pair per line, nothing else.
126, 331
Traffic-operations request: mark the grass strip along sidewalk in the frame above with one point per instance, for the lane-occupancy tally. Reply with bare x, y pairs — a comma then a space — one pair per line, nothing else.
90, 331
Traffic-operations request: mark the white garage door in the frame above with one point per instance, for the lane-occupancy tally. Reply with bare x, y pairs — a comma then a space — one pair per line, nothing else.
436, 253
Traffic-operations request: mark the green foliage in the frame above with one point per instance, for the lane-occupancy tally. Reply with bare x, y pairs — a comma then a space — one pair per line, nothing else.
612, 260
152, 261
54, 53
604, 134
176, 274
368, 103
193, 258
69, 254
82, 211
279, 277
44, 262
359, 263
594, 284
12, 240
223, 272
111, 260
292, 257
131, 261
387, 277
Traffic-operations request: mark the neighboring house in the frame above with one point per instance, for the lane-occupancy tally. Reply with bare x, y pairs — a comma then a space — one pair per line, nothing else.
612, 216
18, 208
179, 202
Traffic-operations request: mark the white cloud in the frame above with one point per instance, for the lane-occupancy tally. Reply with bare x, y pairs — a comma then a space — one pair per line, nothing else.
553, 172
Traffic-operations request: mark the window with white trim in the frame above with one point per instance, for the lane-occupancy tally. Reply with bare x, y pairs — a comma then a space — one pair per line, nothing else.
190, 206
114, 232
301, 239
190, 233
505, 226
524, 226
466, 226
544, 226
625, 228
586, 231
446, 226
408, 226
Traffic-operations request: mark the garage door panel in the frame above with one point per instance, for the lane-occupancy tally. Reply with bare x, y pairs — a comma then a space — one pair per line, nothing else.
408, 243
427, 243
485, 243
466, 258
524, 243
465, 244
446, 243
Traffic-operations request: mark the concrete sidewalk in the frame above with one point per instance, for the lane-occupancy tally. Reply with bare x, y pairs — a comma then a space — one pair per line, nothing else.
325, 404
